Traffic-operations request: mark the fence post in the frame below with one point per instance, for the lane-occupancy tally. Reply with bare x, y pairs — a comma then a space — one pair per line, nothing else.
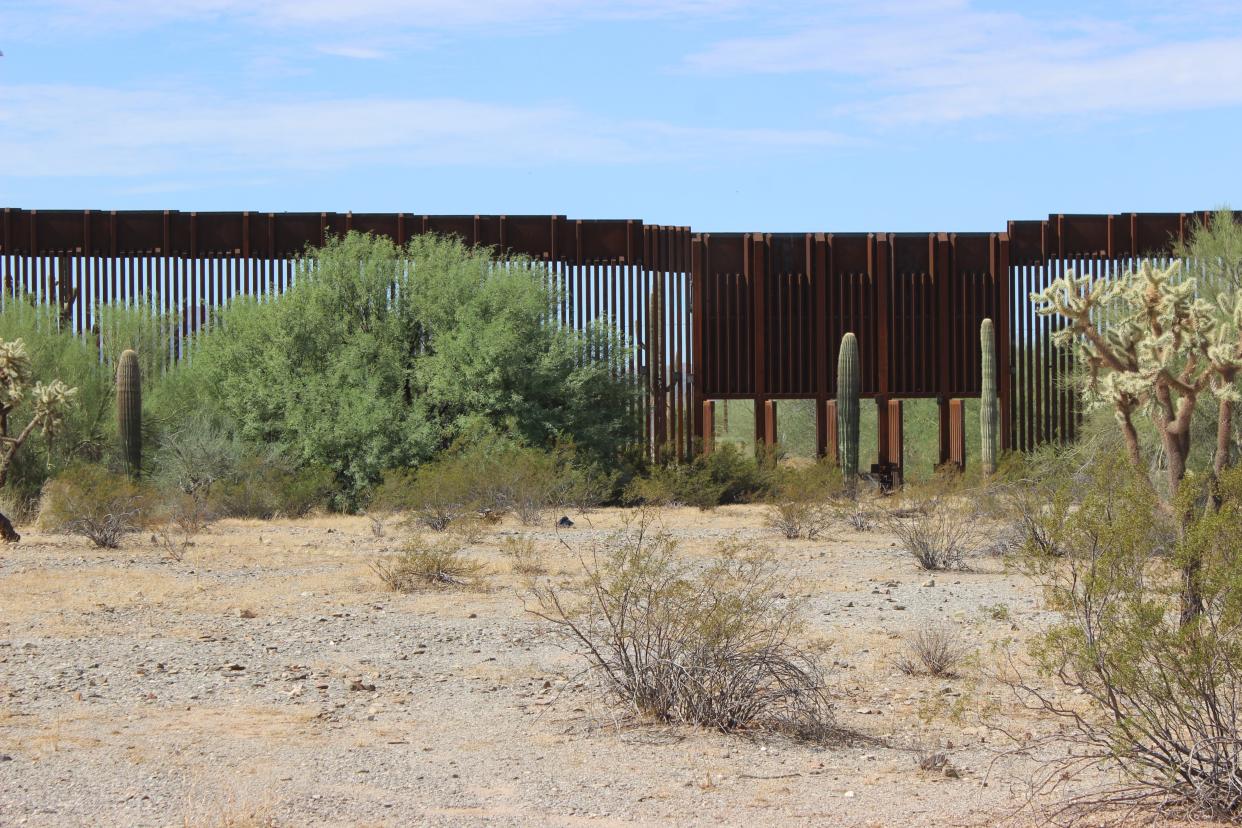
957, 433
707, 417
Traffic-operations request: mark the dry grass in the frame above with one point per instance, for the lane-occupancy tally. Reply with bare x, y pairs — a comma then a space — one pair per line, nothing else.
525, 557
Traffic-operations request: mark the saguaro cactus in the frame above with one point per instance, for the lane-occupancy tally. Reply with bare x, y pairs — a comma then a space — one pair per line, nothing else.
848, 379
989, 408
129, 410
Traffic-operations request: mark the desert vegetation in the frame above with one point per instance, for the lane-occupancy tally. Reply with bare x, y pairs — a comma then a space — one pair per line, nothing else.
414, 422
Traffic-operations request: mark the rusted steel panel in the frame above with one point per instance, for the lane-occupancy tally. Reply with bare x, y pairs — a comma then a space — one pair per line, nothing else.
1154, 233
1082, 236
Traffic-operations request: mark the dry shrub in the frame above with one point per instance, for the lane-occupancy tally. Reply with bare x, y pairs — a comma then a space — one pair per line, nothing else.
421, 565
524, 556
711, 645
933, 651
177, 519
804, 499
937, 535
854, 515
799, 519
92, 502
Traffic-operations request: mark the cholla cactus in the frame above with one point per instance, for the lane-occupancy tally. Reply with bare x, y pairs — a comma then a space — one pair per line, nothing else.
14, 374
51, 401
1150, 344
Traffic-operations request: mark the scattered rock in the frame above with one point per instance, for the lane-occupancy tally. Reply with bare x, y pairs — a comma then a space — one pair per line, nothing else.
359, 684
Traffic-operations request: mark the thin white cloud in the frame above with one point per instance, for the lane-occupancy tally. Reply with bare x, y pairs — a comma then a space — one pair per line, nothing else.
373, 15
952, 63
88, 131
355, 52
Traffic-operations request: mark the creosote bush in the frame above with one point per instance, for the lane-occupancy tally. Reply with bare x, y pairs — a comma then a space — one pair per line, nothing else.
936, 533
92, 502
803, 499
420, 565
1163, 694
714, 645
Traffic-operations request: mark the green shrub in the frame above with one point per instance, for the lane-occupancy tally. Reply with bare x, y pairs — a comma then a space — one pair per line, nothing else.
194, 455
90, 501
727, 475
266, 487
524, 555
490, 478
381, 357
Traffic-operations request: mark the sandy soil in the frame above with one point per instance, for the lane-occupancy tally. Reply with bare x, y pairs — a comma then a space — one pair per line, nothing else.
268, 679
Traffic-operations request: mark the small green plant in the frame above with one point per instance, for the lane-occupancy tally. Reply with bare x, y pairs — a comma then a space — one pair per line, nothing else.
421, 565
194, 455
727, 475
997, 612
266, 487
93, 502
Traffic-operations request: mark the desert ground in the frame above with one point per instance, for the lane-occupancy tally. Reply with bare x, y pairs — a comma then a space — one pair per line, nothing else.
268, 678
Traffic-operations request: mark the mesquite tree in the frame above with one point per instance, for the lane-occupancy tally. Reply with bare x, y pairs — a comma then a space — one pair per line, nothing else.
49, 404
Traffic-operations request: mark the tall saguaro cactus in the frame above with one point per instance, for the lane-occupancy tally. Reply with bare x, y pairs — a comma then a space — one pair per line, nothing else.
129, 410
989, 407
848, 382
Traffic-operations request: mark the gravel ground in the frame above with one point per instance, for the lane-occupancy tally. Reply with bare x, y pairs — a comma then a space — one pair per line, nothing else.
267, 679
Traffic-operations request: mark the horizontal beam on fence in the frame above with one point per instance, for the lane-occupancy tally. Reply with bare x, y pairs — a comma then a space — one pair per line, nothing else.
287, 235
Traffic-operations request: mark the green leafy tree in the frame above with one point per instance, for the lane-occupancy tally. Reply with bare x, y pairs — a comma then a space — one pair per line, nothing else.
380, 356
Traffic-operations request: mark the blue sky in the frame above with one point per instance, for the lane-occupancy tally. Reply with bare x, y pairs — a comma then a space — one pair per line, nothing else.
894, 115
